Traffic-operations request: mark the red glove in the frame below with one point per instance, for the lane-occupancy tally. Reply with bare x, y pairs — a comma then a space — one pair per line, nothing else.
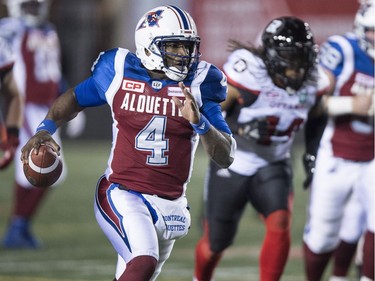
9, 147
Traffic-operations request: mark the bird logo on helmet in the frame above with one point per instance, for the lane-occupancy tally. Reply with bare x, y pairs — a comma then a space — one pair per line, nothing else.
163, 25
151, 19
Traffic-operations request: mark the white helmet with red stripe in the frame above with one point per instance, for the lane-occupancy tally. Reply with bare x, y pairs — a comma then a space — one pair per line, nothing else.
167, 25
33, 12
364, 25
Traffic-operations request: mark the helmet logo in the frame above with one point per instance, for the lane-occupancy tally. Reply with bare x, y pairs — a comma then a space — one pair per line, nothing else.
151, 19
274, 26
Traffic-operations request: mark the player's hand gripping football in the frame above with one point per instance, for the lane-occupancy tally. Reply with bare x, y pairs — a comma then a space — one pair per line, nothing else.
189, 109
41, 137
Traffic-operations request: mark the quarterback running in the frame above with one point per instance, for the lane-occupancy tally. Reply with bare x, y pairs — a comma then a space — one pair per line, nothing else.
163, 99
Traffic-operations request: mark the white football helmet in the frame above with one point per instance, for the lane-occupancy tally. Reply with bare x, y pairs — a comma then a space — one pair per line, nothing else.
33, 12
167, 25
365, 22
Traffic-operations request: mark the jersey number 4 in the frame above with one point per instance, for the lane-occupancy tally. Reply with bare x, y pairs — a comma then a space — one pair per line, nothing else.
152, 139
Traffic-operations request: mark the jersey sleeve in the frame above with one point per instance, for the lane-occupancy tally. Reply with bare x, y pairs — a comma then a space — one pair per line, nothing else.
332, 55
323, 82
91, 92
6, 56
244, 70
214, 86
213, 91
213, 113
9, 30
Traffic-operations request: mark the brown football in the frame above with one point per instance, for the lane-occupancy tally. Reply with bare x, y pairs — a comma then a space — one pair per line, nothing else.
44, 168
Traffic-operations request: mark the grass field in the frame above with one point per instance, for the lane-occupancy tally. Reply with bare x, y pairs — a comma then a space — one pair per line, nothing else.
75, 249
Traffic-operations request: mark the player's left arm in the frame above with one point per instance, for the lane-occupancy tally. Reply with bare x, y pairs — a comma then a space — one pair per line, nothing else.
219, 145
332, 58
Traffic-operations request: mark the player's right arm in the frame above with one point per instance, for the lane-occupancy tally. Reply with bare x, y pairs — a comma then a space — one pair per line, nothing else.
90, 92
64, 109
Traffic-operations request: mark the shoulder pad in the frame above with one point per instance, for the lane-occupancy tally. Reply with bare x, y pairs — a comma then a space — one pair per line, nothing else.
245, 70
211, 81
105, 67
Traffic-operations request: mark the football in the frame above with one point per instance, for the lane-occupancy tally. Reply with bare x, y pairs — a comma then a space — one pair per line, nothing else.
44, 168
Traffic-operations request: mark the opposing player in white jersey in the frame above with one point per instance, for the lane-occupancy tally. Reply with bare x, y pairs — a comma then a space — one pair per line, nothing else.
163, 100
345, 161
37, 72
270, 93
11, 120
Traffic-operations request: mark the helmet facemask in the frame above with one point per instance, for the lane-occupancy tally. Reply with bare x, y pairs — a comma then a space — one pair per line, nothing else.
364, 27
290, 66
166, 40
176, 65
290, 52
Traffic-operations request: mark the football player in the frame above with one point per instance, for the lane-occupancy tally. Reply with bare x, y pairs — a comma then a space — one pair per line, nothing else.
37, 72
345, 155
13, 106
271, 90
163, 99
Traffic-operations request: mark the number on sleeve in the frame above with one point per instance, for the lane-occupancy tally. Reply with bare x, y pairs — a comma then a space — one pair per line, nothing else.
329, 56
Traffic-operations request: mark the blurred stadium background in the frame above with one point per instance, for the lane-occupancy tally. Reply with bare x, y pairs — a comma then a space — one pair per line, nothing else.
74, 247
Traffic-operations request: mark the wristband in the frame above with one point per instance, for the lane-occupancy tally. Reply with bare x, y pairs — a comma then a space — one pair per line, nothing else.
339, 105
203, 126
47, 125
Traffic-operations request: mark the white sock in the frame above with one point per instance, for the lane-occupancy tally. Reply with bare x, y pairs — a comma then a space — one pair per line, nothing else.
338, 278
364, 278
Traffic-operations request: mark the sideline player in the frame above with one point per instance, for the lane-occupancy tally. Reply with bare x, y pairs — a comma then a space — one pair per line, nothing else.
345, 155
163, 100
271, 91
37, 72
13, 107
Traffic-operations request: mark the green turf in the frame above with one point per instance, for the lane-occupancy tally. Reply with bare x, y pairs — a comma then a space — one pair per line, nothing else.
75, 249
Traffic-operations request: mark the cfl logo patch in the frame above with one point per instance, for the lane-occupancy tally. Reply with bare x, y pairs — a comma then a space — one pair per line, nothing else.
133, 86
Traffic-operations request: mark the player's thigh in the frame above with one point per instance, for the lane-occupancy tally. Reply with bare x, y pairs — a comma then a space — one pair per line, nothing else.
126, 222
354, 220
366, 193
330, 191
165, 250
225, 201
270, 188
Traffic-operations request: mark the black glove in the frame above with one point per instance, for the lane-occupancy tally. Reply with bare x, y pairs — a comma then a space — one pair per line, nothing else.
309, 165
258, 129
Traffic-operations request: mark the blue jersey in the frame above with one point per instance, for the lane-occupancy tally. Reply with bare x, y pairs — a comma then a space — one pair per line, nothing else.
153, 145
349, 136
